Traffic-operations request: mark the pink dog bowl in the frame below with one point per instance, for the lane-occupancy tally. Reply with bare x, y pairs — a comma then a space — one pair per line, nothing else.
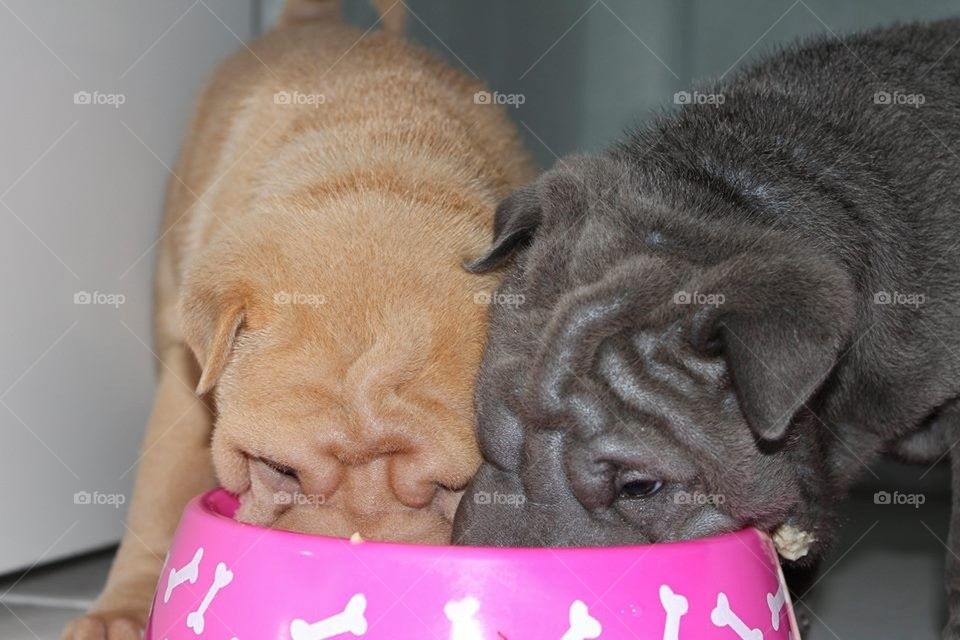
225, 580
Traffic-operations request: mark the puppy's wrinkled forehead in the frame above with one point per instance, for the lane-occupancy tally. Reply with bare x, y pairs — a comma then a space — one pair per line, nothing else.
595, 255
599, 352
581, 221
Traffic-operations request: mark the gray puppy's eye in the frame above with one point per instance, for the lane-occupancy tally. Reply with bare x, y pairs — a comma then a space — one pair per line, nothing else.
639, 488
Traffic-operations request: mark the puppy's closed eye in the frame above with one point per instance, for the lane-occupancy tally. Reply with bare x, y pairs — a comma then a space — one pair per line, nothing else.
276, 476
283, 470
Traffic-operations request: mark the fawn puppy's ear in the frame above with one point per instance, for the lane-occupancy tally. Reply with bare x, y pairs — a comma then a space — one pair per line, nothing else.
517, 217
210, 322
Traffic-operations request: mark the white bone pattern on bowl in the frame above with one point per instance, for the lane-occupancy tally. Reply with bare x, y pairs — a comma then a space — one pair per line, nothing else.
675, 606
724, 616
583, 626
462, 617
196, 620
460, 613
350, 620
776, 602
189, 573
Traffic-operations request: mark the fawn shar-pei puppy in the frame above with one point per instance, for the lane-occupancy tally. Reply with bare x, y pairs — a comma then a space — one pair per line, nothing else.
310, 289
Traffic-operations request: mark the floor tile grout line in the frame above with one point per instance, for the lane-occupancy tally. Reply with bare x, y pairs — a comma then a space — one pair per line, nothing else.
46, 602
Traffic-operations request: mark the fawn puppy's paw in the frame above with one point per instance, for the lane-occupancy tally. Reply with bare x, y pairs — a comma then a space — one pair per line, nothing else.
107, 625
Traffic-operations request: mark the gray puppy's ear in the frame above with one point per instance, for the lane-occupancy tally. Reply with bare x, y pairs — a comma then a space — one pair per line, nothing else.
517, 217
776, 368
781, 334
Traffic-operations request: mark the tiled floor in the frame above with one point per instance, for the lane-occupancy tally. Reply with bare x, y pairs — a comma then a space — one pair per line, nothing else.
885, 580
38, 604
883, 583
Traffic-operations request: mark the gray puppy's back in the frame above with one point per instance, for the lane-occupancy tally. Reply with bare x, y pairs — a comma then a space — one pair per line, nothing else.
852, 148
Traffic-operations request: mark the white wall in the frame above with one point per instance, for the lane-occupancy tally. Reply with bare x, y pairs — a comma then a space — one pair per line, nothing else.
80, 199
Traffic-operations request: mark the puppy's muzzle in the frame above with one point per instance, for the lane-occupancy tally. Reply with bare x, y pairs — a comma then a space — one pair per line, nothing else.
492, 511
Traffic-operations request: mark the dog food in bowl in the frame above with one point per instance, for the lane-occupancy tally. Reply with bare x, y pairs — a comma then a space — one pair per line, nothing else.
226, 580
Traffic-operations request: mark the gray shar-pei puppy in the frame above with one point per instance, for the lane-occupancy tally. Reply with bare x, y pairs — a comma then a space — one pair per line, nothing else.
723, 320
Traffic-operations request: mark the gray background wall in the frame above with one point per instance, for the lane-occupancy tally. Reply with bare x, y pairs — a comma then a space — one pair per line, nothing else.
588, 69
81, 191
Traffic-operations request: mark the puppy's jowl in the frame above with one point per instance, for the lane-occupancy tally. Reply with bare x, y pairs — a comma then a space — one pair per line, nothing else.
310, 288
720, 324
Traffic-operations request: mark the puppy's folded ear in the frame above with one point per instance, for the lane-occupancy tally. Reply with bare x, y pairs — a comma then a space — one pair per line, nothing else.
517, 217
210, 325
782, 327
776, 367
